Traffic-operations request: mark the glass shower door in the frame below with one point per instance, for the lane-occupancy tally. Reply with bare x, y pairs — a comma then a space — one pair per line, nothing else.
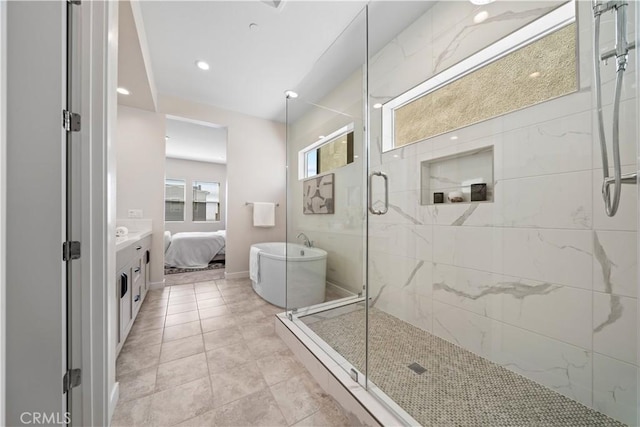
326, 201
499, 291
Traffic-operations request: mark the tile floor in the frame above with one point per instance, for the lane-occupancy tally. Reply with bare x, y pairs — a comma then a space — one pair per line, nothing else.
206, 354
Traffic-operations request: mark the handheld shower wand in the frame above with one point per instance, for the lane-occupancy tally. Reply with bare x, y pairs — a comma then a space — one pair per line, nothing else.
621, 53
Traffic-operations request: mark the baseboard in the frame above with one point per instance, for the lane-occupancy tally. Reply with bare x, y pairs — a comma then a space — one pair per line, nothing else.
113, 400
238, 275
342, 292
154, 286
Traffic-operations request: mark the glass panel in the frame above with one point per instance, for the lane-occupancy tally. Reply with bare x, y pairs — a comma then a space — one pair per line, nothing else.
174, 194
206, 201
326, 246
516, 312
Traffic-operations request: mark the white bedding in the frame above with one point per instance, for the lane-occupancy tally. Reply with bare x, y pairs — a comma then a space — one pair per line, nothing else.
194, 249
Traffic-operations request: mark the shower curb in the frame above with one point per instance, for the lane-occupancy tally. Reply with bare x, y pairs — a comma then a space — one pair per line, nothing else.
334, 380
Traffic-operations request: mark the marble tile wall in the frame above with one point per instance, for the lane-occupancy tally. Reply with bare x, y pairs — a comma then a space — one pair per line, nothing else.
540, 281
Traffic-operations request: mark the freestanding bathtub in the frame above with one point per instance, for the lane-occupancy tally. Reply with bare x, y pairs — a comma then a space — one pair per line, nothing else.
305, 280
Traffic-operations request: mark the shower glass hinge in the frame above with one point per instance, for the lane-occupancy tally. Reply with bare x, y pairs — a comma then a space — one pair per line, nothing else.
71, 121
74, 2
73, 378
354, 374
70, 250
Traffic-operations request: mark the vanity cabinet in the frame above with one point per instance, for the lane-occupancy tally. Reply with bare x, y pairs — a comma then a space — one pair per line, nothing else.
132, 283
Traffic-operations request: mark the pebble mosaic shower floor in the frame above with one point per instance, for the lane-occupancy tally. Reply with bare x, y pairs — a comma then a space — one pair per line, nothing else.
457, 388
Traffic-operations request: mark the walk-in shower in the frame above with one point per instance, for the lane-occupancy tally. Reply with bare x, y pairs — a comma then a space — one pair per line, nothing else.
447, 157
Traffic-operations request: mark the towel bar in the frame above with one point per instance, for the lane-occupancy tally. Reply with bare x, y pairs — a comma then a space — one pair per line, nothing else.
250, 203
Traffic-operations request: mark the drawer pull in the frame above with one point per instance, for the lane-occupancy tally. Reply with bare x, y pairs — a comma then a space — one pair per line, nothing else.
137, 298
138, 248
136, 270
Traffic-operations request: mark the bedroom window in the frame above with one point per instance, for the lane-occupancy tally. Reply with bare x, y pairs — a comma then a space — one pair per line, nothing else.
206, 201
174, 192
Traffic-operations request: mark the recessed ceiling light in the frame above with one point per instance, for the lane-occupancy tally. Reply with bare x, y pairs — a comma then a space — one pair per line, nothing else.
534, 74
396, 156
481, 2
321, 136
481, 17
254, 27
290, 94
123, 91
453, 138
355, 157
377, 105
202, 65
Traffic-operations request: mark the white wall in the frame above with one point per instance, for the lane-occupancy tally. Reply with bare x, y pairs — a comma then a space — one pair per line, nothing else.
140, 174
190, 171
255, 172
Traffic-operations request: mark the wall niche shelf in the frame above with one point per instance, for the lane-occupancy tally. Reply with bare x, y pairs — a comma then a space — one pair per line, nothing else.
457, 173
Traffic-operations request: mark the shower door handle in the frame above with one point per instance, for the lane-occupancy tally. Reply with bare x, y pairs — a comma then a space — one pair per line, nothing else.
386, 193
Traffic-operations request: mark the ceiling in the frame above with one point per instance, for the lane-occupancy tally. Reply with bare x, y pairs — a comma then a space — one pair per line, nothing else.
250, 69
193, 140
296, 44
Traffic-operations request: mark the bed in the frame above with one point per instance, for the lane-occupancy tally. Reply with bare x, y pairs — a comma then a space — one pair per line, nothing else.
194, 249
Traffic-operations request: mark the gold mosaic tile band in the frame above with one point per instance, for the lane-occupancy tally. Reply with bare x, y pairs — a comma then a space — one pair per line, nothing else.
540, 71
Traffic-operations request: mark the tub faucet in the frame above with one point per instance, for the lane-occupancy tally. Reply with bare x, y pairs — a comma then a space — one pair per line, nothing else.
308, 243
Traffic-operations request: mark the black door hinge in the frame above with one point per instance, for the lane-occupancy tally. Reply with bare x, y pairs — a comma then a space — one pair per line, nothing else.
71, 379
71, 121
74, 1
70, 250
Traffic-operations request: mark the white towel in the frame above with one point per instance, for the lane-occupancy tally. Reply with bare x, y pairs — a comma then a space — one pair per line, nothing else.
264, 214
254, 265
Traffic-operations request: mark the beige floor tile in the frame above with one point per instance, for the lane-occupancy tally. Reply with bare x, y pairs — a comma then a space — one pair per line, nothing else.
299, 397
279, 367
145, 324
223, 358
205, 420
145, 338
181, 287
205, 287
181, 371
265, 345
176, 319
181, 308
137, 358
182, 330
152, 312
258, 409
222, 338
236, 290
257, 329
137, 383
244, 298
235, 383
252, 316
210, 293
213, 312
132, 412
329, 415
217, 323
183, 347
182, 299
211, 302
154, 305
180, 403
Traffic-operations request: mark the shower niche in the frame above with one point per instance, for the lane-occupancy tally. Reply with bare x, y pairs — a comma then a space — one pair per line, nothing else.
461, 178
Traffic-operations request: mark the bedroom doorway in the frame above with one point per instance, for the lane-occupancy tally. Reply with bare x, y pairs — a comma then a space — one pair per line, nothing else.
194, 201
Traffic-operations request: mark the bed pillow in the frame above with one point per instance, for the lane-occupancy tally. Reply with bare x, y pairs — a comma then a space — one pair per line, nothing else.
167, 240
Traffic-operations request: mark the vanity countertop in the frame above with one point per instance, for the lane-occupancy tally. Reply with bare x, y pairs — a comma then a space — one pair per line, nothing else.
131, 238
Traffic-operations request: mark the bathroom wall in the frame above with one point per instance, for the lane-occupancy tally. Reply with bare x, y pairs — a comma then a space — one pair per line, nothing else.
540, 281
140, 174
190, 171
256, 161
